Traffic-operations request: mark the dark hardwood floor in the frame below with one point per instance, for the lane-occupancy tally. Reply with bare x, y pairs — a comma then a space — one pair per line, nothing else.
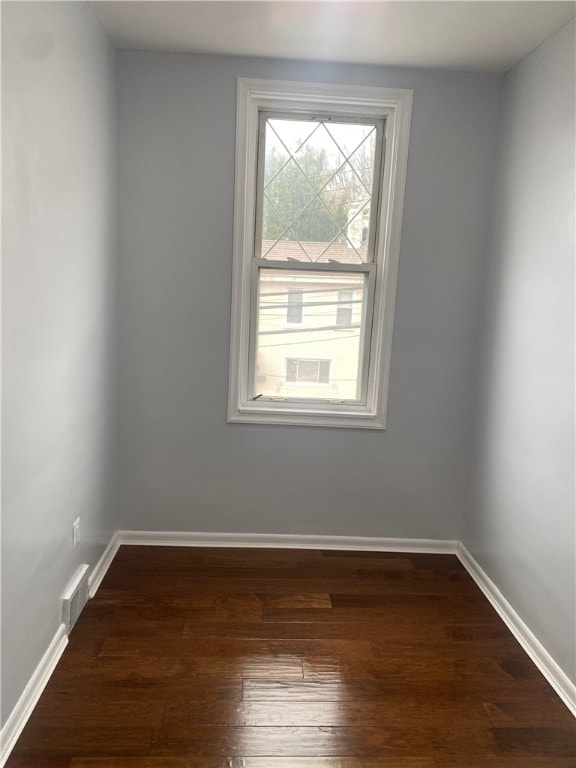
230, 658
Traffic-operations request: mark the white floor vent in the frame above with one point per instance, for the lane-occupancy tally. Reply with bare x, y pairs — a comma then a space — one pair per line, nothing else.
75, 597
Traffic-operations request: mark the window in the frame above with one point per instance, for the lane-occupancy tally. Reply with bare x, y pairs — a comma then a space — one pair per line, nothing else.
344, 309
319, 183
300, 371
294, 307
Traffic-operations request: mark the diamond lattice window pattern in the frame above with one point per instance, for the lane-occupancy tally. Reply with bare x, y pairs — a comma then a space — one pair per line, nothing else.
317, 193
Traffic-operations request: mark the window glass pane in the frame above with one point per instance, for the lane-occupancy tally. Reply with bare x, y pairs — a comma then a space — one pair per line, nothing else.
319, 358
317, 190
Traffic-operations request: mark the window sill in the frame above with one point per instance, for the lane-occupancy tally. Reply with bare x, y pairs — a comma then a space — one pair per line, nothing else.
318, 418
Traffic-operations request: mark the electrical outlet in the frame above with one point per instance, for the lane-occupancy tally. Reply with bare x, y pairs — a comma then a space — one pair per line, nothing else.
76, 533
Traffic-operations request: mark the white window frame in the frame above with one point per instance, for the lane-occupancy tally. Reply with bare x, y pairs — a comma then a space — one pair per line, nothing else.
394, 106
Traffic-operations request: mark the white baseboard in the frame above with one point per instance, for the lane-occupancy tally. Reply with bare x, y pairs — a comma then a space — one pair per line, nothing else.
563, 686
26, 703
103, 564
286, 541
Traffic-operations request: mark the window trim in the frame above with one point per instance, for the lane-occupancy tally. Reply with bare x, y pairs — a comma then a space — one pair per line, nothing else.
393, 105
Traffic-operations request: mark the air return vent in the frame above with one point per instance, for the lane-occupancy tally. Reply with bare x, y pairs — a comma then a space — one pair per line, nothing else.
75, 597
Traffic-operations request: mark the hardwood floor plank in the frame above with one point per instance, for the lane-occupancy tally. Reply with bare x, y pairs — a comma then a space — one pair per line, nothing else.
537, 741
130, 623
420, 646
520, 667
166, 610
75, 710
230, 762
295, 600
505, 761
307, 690
145, 556
456, 609
545, 762
413, 582
249, 741
130, 578
389, 609
346, 583
143, 689
267, 559
476, 761
63, 740
322, 741
426, 562
359, 630
251, 762
144, 618
257, 554
242, 602
383, 565
37, 762
293, 711
363, 554
439, 670
232, 647
380, 689
400, 762
262, 572
139, 668
496, 630
527, 713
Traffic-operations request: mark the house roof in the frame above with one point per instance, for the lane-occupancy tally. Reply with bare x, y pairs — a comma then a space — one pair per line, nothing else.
288, 250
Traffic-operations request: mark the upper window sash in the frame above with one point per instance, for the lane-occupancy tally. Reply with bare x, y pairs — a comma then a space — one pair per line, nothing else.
328, 118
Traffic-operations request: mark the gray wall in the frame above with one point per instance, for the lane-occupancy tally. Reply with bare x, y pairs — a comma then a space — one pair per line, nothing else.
182, 466
520, 522
59, 312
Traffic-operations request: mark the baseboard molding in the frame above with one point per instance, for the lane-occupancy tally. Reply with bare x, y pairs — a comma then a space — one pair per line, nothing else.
563, 686
23, 709
103, 564
286, 541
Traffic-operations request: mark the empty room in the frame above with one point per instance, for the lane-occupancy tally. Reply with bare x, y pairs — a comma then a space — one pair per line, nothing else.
288, 373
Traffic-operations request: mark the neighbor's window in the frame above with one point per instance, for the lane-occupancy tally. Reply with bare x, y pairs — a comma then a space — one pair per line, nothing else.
294, 307
317, 236
300, 371
344, 308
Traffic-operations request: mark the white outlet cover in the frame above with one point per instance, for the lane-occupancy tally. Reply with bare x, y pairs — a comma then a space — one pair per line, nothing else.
76, 533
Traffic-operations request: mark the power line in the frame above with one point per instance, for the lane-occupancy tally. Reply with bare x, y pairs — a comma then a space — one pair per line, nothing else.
321, 328
339, 287
310, 341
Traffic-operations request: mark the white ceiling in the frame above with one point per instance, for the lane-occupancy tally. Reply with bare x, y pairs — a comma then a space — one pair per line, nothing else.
474, 36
